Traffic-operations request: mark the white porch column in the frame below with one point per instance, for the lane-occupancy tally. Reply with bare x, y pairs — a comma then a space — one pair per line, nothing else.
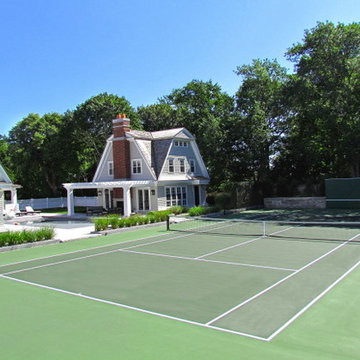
1, 208
14, 201
70, 201
127, 201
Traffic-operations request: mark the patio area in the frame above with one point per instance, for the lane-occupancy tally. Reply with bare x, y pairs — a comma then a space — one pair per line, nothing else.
66, 228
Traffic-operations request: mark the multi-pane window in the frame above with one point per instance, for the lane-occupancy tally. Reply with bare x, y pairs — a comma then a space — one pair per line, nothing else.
143, 199
181, 143
182, 165
110, 168
175, 195
171, 165
192, 165
176, 165
136, 166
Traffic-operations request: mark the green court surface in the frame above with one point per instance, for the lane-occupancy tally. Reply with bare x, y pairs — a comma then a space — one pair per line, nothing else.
236, 290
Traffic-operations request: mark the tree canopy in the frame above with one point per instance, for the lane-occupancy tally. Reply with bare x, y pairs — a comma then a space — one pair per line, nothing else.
279, 130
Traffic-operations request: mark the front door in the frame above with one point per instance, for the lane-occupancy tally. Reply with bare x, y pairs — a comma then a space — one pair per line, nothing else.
197, 195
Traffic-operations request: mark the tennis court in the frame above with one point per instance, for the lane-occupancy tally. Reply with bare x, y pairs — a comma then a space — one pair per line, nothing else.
248, 278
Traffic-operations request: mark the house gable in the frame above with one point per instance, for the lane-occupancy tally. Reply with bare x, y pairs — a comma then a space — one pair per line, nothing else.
102, 173
183, 160
154, 149
141, 150
4, 178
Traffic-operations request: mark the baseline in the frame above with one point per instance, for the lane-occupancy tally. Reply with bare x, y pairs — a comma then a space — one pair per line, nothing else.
132, 308
280, 281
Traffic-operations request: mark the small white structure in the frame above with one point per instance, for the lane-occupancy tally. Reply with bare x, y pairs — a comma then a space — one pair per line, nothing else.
7, 185
142, 171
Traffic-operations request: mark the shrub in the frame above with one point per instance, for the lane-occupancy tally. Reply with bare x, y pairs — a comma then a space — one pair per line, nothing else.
114, 221
196, 211
25, 236
101, 223
223, 201
201, 210
176, 210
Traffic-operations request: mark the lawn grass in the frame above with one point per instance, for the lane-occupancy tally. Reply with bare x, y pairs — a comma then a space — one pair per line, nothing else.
41, 324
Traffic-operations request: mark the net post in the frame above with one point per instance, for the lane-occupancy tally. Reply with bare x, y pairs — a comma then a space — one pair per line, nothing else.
264, 228
167, 222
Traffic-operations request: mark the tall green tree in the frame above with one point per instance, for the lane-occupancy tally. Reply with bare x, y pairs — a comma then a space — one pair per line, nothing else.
158, 117
324, 95
256, 130
202, 107
39, 160
91, 125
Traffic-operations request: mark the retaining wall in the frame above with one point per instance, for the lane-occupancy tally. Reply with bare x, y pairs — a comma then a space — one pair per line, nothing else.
295, 203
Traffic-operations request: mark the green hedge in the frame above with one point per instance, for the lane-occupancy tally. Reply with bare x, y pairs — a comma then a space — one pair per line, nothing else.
202, 210
9, 238
114, 221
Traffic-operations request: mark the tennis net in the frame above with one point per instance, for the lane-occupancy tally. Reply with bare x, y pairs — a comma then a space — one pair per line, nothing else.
340, 231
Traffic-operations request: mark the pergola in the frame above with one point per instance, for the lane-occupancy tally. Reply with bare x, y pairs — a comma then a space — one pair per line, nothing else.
126, 185
8, 186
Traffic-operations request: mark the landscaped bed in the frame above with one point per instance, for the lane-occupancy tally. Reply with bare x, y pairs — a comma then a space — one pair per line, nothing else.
114, 221
9, 238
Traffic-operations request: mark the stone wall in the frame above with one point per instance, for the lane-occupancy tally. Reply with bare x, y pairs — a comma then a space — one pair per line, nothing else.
295, 203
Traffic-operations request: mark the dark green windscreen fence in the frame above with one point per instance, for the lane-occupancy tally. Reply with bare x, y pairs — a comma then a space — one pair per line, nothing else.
342, 193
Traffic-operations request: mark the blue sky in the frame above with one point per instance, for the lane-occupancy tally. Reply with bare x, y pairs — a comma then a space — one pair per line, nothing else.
55, 54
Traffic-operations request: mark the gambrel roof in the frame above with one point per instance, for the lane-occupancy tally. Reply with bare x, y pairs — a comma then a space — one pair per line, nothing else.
154, 147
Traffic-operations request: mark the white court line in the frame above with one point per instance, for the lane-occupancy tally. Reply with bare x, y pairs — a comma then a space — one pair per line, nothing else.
279, 282
244, 243
88, 256
100, 247
133, 308
290, 321
206, 260
81, 250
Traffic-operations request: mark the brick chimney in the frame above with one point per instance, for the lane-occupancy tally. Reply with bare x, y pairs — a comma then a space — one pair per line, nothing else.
121, 147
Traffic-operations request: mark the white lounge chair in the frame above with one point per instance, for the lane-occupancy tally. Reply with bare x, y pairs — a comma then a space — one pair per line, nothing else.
30, 210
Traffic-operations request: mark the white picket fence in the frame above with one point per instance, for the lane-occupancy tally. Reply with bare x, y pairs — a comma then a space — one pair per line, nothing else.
52, 203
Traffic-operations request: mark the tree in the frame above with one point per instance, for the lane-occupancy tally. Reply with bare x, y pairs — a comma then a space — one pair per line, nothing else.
201, 107
324, 95
255, 132
91, 125
38, 155
158, 117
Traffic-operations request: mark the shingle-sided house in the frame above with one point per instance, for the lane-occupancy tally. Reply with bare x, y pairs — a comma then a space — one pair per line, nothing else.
7, 185
142, 171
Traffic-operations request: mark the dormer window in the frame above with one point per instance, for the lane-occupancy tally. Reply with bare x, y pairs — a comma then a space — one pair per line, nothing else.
110, 168
192, 165
182, 165
181, 143
171, 165
136, 166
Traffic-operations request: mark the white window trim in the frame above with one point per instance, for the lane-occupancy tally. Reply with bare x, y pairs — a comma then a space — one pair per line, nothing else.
181, 143
138, 161
176, 199
110, 168
194, 163
183, 164
173, 165
137, 198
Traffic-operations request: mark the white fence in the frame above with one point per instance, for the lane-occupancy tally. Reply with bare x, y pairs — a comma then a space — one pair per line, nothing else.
52, 203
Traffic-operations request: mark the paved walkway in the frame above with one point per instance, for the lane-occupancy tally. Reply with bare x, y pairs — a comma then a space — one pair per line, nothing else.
65, 228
